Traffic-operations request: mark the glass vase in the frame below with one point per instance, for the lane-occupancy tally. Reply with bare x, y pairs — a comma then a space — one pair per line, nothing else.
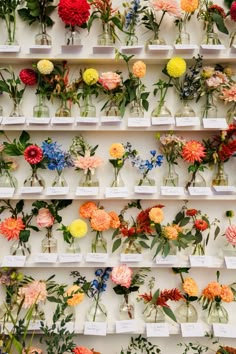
131, 39
73, 247
88, 179
1, 111
97, 311
117, 180
127, 309
229, 250
49, 243
59, 180
185, 110
210, 37
197, 180
72, 36
88, 109
186, 312
199, 248
231, 114
145, 181
217, 313
156, 39
183, 37
99, 244
20, 248
220, 178
43, 38
232, 39
7, 180
106, 38
64, 110
154, 314
34, 180
161, 110
209, 109
131, 247
41, 110
16, 109
112, 110
171, 178
10, 21
136, 109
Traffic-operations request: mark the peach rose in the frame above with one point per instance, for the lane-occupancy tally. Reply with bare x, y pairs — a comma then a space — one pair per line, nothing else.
139, 69
122, 275
86, 209
156, 215
110, 80
44, 218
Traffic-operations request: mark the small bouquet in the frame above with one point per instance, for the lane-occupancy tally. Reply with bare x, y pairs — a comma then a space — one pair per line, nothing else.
87, 86
232, 13
6, 166
131, 21
228, 95
188, 8
230, 232
76, 230
8, 14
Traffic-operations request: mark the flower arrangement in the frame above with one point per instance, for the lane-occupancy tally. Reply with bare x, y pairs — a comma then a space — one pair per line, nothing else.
140, 343
131, 20
85, 160
230, 232
100, 221
188, 7
228, 95
87, 86
8, 14
6, 166
154, 300
127, 281
77, 229
232, 12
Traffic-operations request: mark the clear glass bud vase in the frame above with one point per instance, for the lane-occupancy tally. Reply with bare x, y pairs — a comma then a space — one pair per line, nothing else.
64, 109
88, 179
97, 311
16, 109
154, 314
10, 22
161, 110
185, 110
112, 110
117, 180
34, 180
209, 109
196, 180
220, 178
59, 180
156, 39
217, 313
41, 110
43, 38
186, 312
183, 37
7, 180
72, 36
132, 247
136, 109
49, 243
171, 178
127, 309
106, 37
88, 109
131, 39
73, 247
145, 181
99, 243
210, 37
20, 248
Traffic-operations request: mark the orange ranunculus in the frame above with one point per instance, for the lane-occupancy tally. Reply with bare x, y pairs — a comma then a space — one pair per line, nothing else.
100, 220
212, 290
116, 150
139, 69
86, 209
170, 232
76, 297
11, 228
226, 294
189, 5
156, 215
115, 221
190, 287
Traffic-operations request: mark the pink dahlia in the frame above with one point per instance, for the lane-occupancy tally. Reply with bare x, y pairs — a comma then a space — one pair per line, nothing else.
233, 11
74, 12
88, 162
230, 234
229, 94
33, 154
28, 77
33, 293
170, 6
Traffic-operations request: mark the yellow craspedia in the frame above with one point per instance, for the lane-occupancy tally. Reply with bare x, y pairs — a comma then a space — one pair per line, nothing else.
78, 228
90, 76
176, 67
189, 5
45, 66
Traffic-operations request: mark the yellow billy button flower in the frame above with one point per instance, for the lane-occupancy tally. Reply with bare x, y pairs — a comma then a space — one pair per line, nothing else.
78, 228
45, 67
90, 76
176, 67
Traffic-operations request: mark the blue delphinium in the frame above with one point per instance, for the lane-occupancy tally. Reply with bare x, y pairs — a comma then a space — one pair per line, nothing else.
145, 166
131, 19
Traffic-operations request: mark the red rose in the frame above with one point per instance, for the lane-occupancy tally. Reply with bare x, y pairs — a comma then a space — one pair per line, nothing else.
74, 12
28, 77
191, 212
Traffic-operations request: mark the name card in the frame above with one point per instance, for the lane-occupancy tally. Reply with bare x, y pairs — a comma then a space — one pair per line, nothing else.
126, 326
111, 119
230, 262
45, 257
163, 120
200, 261
38, 48
100, 49
83, 191
170, 259
87, 120
145, 189
31, 190
97, 257
116, 192
131, 257
38, 120
57, 190
185, 47
138, 122
187, 121
9, 48
192, 329
159, 47
34, 325
212, 47
169, 190
62, 120
200, 191
6, 192
13, 120
224, 189
69, 257
95, 328
224, 330
157, 329
13, 261
219, 123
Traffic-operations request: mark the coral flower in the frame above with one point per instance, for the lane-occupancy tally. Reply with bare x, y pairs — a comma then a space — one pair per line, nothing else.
86, 209
229, 94
116, 150
230, 234
88, 162
201, 225
190, 287
139, 69
122, 275
115, 221
75, 294
169, 6
170, 232
74, 12
82, 350
33, 154
78, 228
176, 67
191, 212
233, 11
100, 220
33, 293
189, 5
32, 350
11, 228
156, 215
212, 290
193, 151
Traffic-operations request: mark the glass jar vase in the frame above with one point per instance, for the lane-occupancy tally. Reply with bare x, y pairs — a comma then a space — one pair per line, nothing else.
42, 37
197, 180
7, 180
220, 178
153, 314
49, 243
131, 247
59, 180
209, 109
183, 37
88, 179
106, 38
186, 312
72, 36
156, 39
64, 109
171, 178
20, 248
41, 110
217, 313
88, 109
161, 111
73, 246
145, 181
99, 243
97, 311
127, 309
185, 110
10, 22
16, 109
136, 109
117, 180
34, 180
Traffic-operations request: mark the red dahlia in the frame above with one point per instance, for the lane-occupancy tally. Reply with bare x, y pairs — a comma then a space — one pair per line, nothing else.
201, 225
74, 12
217, 9
28, 77
233, 11
33, 154
191, 212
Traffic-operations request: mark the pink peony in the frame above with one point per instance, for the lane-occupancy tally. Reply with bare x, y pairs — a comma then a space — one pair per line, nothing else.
110, 80
230, 234
169, 6
122, 275
44, 218
33, 293
88, 162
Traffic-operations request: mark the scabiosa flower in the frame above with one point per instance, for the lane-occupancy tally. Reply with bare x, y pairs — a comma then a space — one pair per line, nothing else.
10, 228
201, 225
193, 151
233, 11
33, 154
230, 234
28, 77
74, 12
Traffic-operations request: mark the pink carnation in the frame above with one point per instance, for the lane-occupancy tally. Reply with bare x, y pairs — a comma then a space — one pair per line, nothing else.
44, 218
169, 6
230, 234
33, 293
110, 80
88, 162
122, 275
217, 79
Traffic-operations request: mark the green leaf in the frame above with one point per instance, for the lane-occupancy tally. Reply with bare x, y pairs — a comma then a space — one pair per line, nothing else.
143, 244
219, 21
169, 313
24, 235
116, 245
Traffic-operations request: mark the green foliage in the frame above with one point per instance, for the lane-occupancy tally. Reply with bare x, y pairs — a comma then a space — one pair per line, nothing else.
8, 7
12, 84
37, 11
142, 344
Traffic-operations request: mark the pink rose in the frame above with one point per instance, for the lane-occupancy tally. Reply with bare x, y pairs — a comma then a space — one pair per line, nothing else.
122, 275
110, 80
44, 218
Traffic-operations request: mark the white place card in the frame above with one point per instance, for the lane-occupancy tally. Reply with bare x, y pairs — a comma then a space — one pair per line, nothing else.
57, 190
75, 48
6, 192
95, 328
13, 120
214, 123
200, 261
159, 47
31, 190
145, 189
138, 122
45, 258
169, 190
168, 260
224, 189
8, 325
83, 191
69, 257
224, 330
111, 119
99, 49
126, 326
9, 48
87, 120
38, 48
230, 262
131, 49
212, 47
97, 257
131, 257
163, 120
200, 191
187, 121
34, 325
157, 329
13, 261
185, 47
62, 120
116, 192
39, 120
190, 329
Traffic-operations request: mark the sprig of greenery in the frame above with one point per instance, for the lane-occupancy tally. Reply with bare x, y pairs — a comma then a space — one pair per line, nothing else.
142, 344
37, 11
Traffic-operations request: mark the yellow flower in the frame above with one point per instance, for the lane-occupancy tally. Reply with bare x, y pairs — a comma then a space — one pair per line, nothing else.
176, 67
207, 72
189, 5
78, 228
170, 232
76, 295
190, 287
45, 67
139, 69
90, 76
116, 150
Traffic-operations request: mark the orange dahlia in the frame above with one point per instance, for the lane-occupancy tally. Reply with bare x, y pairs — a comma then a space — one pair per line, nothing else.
212, 290
116, 150
190, 287
170, 232
86, 209
11, 228
226, 294
75, 295
156, 215
100, 220
193, 151
189, 5
115, 221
